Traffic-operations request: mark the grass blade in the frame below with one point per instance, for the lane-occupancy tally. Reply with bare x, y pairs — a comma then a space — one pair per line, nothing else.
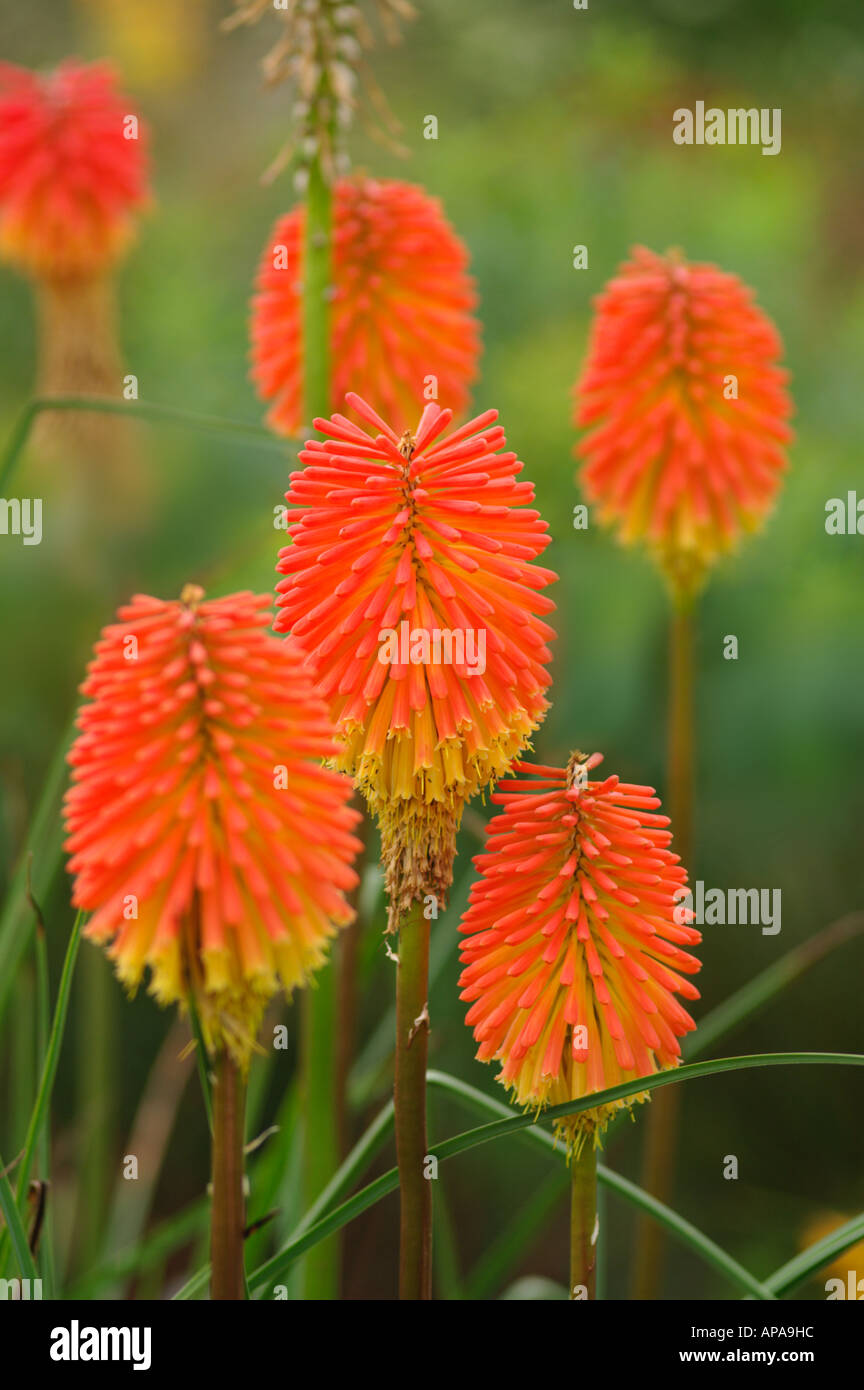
358, 1160
15, 1228
43, 852
52, 1057
515, 1124
799, 1269
43, 1026
136, 410
685, 1232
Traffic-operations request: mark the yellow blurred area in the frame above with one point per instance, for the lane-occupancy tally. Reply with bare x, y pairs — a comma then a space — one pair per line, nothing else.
821, 1226
157, 44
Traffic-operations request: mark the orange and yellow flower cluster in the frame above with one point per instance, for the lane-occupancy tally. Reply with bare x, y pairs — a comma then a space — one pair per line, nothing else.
205, 837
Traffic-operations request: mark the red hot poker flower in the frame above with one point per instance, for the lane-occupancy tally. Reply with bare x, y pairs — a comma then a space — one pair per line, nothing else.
72, 170
205, 838
687, 408
411, 584
573, 952
402, 308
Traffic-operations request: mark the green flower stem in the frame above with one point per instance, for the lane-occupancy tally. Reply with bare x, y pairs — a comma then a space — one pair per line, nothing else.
412, 1042
227, 1219
320, 1154
663, 1119
319, 1062
584, 1233
317, 254
374, 1062
679, 796
136, 410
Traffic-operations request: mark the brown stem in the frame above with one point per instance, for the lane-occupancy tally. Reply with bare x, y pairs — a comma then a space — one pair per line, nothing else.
583, 1223
227, 1204
94, 457
412, 1039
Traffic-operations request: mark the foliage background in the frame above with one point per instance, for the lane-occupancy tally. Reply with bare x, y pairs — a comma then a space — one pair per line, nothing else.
554, 129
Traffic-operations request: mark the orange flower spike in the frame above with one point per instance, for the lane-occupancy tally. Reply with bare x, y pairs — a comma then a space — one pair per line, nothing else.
688, 412
402, 310
205, 838
72, 177
395, 539
574, 935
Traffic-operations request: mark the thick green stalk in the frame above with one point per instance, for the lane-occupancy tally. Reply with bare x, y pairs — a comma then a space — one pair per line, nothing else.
227, 1219
320, 1054
661, 1130
412, 1041
584, 1232
318, 1060
679, 795
317, 253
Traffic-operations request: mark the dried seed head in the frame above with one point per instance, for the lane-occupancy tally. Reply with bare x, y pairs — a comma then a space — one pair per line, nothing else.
320, 51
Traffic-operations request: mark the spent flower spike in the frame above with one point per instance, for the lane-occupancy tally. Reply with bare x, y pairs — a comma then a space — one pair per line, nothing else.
574, 948
436, 531
206, 840
320, 52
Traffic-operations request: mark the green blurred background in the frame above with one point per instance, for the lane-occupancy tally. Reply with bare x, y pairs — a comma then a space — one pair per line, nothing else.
554, 129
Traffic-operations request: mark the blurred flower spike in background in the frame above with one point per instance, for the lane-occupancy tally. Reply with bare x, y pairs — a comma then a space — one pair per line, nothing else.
687, 410
403, 327
73, 170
